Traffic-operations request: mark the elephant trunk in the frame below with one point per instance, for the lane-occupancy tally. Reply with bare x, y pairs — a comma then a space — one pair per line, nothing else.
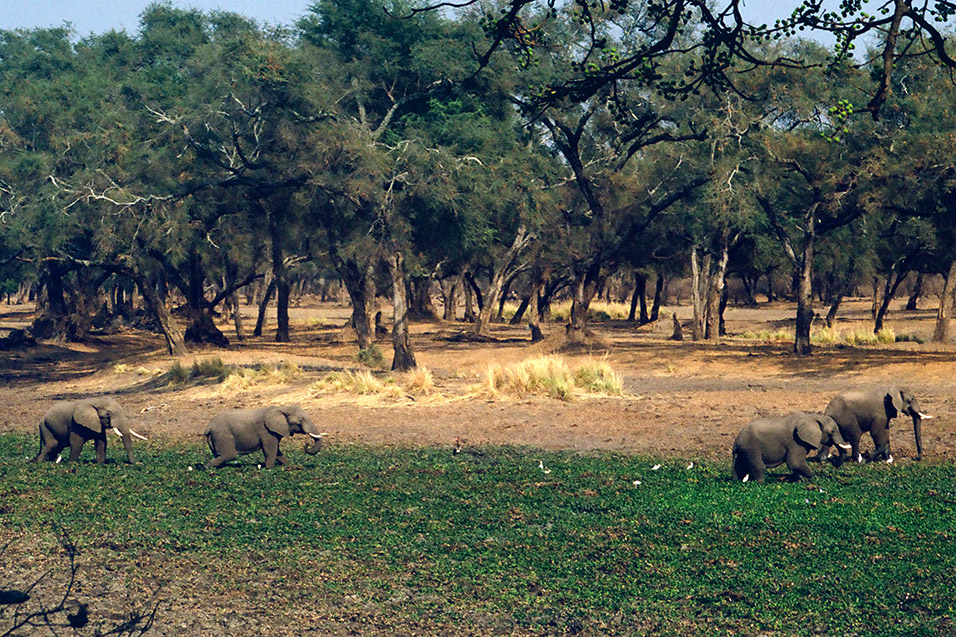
317, 444
918, 416
918, 433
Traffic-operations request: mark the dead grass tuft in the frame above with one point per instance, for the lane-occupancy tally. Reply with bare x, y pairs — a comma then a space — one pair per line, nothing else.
547, 376
362, 383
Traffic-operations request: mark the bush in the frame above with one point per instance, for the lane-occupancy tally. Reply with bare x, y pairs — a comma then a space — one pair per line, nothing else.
371, 356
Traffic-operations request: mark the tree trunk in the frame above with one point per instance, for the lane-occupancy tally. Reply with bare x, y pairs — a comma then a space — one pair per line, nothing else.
449, 295
233, 299
421, 302
715, 290
801, 342
404, 358
504, 272
700, 284
583, 289
469, 298
264, 305
279, 273
359, 280
658, 297
175, 343
945, 311
639, 297
534, 310
893, 281
917, 291
283, 293
520, 312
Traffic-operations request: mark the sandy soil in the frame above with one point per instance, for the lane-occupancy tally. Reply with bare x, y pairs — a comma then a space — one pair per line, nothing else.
681, 398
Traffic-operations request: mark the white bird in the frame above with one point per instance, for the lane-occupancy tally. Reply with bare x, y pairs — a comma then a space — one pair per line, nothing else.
190, 467
746, 477
655, 467
637, 482
58, 459
690, 466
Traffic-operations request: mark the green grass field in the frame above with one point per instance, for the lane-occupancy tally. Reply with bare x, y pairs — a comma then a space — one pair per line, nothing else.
451, 543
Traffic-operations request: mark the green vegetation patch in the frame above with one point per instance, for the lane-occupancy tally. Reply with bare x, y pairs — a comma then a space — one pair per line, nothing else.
524, 540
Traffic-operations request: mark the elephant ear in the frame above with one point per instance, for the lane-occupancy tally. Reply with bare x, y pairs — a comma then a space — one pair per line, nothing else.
809, 432
85, 415
893, 402
277, 423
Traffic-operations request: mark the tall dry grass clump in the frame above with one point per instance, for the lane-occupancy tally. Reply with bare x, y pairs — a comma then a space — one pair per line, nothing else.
419, 382
362, 383
548, 376
283, 373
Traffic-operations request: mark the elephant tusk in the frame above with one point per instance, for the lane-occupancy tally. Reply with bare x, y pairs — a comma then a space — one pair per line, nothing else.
317, 436
137, 435
924, 416
845, 447
116, 432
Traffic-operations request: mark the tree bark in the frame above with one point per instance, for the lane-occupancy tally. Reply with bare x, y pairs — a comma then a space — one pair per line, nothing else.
263, 306
700, 284
893, 281
583, 289
403, 359
911, 304
175, 343
658, 297
715, 290
449, 295
503, 272
801, 342
945, 311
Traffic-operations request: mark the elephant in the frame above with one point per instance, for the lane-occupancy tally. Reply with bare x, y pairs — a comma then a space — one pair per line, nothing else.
857, 412
240, 431
74, 422
769, 442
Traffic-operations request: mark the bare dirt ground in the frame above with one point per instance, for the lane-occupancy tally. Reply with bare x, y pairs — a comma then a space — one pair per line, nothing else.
682, 399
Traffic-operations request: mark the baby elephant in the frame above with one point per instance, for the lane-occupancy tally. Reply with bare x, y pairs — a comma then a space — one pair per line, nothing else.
241, 431
768, 442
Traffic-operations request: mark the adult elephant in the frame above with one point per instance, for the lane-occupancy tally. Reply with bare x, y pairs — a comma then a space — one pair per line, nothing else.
871, 410
768, 442
74, 422
240, 431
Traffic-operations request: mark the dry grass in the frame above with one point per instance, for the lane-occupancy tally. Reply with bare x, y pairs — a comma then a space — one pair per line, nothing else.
362, 383
547, 376
242, 378
828, 336
419, 382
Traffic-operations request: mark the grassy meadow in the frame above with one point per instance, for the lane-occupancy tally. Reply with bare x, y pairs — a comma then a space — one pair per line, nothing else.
508, 540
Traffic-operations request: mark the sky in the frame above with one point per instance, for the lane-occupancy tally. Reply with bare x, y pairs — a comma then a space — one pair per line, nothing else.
88, 17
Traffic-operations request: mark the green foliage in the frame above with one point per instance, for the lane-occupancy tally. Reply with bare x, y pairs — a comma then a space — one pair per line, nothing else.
371, 356
543, 542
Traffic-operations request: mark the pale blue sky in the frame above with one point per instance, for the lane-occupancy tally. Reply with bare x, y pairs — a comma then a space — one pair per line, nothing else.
98, 16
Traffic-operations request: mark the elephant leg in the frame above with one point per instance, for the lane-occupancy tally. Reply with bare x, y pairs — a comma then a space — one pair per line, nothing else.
281, 460
749, 466
222, 459
99, 446
797, 463
852, 437
881, 441
50, 448
76, 446
270, 449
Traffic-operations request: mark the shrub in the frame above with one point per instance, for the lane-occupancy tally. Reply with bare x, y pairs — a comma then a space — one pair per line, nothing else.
371, 356
419, 381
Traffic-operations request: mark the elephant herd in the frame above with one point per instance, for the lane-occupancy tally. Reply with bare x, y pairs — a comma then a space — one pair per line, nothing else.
763, 443
769, 442
230, 434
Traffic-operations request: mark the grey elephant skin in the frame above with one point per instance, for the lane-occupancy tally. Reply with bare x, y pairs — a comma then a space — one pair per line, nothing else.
241, 431
858, 412
768, 442
74, 422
